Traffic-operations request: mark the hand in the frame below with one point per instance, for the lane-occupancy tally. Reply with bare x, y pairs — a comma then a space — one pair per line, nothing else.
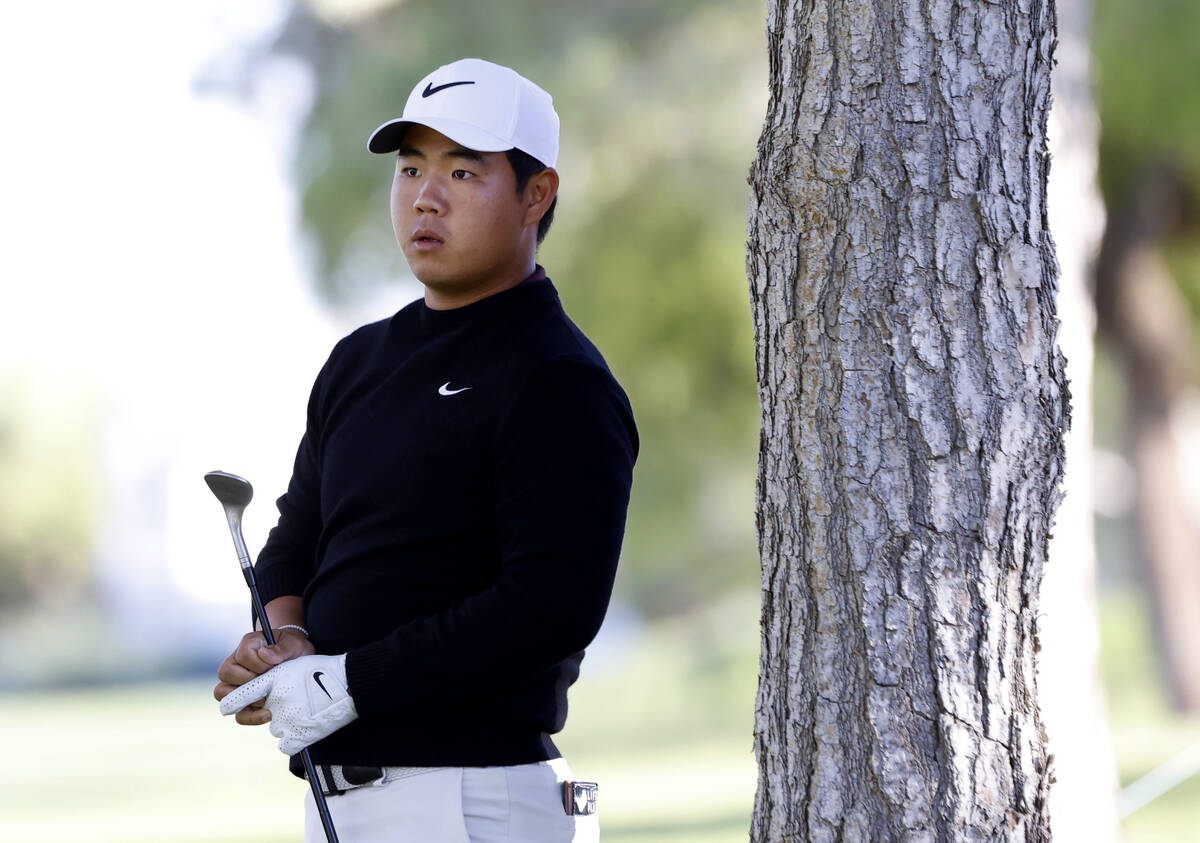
252, 658
306, 698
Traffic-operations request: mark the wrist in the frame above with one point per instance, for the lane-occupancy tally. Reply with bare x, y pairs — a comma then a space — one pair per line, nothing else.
295, 626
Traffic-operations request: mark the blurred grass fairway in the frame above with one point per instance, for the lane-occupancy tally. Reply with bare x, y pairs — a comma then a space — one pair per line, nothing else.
1145, 732
666, 730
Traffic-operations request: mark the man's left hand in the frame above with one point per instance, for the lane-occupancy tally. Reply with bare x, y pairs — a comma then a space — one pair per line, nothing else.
307, 696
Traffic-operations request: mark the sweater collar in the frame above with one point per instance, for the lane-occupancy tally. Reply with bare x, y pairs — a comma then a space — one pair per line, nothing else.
536, 288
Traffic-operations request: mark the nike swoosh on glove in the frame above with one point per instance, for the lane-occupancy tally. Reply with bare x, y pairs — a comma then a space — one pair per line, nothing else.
308, 698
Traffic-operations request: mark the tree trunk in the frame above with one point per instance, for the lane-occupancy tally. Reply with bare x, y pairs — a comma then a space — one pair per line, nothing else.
1083, 804
903, 287
1144, 315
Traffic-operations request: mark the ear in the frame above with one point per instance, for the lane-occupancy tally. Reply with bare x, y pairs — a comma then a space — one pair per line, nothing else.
539, 194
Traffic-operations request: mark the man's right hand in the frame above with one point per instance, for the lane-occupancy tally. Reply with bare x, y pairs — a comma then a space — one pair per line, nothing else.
252, 658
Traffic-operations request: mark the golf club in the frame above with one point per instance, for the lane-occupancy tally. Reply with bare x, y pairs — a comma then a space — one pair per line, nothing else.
235, 493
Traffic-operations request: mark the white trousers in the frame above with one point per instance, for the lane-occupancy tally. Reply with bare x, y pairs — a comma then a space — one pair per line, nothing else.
518, 804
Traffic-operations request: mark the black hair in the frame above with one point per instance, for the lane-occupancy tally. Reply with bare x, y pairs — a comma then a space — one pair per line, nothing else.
526, 166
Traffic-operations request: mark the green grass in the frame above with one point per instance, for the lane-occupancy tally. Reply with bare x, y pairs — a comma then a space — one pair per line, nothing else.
666, 732
148, 763
1145, 731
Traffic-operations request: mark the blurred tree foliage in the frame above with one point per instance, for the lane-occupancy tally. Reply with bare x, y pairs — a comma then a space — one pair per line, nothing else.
661, 104
1147, 59
49, 501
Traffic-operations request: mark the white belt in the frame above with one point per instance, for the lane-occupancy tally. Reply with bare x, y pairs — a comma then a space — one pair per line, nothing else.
338, 778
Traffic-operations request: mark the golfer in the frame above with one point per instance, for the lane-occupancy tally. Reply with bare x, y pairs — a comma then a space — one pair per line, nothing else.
447, 544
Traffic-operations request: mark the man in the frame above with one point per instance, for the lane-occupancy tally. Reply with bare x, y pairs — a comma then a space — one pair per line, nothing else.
447, 544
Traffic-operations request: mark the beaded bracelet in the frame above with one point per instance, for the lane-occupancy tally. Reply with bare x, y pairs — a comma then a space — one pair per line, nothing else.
295, 626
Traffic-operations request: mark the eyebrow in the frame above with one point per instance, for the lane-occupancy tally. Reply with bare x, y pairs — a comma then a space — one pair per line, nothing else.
456, 152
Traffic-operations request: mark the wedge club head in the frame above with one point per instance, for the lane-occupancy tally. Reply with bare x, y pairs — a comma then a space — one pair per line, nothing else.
230, 489
235, 494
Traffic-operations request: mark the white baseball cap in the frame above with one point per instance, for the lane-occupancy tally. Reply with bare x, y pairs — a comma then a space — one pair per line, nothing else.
484, 106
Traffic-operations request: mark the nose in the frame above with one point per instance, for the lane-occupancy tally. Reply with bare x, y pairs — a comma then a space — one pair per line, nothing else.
430, 199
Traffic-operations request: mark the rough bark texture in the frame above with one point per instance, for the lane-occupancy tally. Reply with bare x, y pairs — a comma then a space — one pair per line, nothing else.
903, 286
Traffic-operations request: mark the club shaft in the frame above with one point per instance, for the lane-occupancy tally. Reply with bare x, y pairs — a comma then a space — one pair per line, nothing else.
260, 611
309, 769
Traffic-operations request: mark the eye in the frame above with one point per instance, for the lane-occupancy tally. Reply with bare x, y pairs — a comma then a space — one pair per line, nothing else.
462, 174
411, 172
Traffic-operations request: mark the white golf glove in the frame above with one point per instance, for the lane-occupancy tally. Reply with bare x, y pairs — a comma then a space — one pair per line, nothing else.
307, 697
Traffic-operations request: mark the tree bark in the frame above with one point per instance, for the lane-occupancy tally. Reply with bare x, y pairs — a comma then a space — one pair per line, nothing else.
903, 288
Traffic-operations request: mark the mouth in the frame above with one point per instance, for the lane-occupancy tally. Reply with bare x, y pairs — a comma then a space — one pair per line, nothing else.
423, 238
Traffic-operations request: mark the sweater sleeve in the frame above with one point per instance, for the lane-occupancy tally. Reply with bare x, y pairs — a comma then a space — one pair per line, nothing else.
564, 455
287, 561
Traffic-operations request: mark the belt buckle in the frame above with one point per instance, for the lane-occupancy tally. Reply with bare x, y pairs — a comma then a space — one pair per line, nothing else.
579, 798
361, 775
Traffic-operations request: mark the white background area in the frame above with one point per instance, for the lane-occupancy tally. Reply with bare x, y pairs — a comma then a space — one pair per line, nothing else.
152, 250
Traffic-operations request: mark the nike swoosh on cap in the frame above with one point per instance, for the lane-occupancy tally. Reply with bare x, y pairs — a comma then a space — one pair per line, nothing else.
445, 389
430, 90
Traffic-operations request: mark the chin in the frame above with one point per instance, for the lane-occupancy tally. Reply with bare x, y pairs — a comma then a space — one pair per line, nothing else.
429, 271
436, 272
437, 277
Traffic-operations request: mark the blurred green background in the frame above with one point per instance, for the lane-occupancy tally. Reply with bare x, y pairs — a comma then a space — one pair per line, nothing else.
661, 104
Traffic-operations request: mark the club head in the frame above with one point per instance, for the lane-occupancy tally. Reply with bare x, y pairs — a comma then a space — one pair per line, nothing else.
232, 491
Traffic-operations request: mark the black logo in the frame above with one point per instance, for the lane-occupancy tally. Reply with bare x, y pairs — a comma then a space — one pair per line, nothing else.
430, 90
321, 685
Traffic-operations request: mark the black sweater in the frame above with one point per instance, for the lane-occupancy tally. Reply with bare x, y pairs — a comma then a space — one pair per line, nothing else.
453, 523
